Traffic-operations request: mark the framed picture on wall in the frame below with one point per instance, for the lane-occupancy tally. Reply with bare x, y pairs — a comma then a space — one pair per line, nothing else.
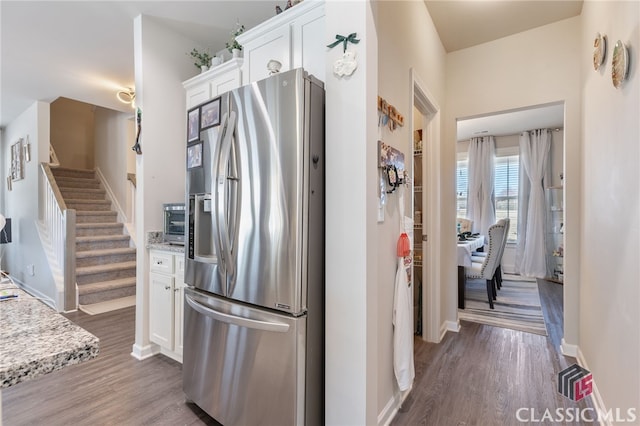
17, 161
193, 125
210, 114
194, 155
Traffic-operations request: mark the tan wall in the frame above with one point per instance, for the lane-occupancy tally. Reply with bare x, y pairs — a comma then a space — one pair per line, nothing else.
72, 133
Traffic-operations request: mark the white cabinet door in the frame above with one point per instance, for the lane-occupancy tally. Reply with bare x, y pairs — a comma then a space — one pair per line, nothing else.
275, 44
178, 303
308, 47
225, 82
161, 316
198, 94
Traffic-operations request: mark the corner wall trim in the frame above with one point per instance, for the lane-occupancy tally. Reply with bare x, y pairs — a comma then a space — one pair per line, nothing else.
143, 352
568, 349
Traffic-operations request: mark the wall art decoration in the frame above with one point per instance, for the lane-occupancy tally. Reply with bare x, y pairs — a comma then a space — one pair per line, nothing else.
347, 64
210, 114
620, 64
17, 161
193, 125
599, 51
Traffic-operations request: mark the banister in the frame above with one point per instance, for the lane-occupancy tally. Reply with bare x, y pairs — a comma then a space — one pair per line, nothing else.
54, 186
60, 222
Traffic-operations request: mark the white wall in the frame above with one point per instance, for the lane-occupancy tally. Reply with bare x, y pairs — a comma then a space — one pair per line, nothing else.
21, 204
609, 293
114, 137
406, 39
351, 337
160, 68
534, 67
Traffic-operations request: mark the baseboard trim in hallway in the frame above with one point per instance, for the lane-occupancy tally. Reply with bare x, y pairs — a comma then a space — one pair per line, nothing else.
108, 306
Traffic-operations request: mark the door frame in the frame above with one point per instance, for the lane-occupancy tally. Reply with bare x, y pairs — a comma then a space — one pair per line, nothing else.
425, 103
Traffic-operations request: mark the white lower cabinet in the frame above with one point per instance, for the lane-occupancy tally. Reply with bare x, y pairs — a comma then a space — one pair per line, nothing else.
166, 297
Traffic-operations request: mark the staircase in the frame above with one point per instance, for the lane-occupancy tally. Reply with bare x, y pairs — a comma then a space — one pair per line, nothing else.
105, 260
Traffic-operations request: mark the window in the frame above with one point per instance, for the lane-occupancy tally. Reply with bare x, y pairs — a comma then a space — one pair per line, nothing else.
505, 189
462, 186
506, 192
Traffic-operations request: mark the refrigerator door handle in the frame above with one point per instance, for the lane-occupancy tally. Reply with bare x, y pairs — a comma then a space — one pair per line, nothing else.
221, 196
235, 320
216, 176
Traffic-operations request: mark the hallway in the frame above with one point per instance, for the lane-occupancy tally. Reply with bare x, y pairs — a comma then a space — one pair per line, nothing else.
483, 375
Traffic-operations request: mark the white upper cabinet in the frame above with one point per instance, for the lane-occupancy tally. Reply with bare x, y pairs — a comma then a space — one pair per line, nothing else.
295, 38
217, 80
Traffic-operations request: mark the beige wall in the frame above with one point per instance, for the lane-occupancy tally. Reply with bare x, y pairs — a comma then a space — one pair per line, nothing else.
114, 137
406, 39
72, 133
609, 336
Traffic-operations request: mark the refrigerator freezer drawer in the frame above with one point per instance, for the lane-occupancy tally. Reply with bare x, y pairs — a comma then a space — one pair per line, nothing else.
242, 365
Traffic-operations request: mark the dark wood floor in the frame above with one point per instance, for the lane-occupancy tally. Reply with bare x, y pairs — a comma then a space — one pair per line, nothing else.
113, 389
479, 376
483, 375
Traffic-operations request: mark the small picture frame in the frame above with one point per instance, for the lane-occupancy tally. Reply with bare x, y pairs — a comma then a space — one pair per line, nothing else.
194, 155
210, 114
193, 125
17, 161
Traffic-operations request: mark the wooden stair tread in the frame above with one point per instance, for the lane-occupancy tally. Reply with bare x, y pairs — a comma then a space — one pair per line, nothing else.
89, 270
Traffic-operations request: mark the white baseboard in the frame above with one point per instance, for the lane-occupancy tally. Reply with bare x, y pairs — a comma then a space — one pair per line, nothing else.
596, 397
390, 410
453, 326
568, 349
36, 294
110, 195
122, 217
143, 352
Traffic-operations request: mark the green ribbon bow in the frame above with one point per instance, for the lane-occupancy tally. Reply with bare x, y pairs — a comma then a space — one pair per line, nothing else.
351, 38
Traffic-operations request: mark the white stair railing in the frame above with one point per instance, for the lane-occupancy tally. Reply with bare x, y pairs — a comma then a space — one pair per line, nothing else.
60, 224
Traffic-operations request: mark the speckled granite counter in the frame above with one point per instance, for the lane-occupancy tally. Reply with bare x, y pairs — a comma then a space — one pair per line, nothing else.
36, 340
155, 241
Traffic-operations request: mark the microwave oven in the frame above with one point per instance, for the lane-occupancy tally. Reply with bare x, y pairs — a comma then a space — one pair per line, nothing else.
173, 223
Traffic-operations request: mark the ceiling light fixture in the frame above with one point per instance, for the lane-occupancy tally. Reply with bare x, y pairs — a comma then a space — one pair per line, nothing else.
126, 96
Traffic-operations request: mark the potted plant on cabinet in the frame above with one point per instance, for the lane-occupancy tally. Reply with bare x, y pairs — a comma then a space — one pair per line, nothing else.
232, 45
201, 59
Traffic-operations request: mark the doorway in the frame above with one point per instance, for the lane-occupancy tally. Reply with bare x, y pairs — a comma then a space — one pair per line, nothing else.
506, 128
426, 128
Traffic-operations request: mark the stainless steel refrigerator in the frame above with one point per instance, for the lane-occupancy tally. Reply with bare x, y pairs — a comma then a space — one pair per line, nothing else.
254, 306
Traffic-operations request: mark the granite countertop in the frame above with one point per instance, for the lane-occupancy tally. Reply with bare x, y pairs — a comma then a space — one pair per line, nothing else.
37, 340
155, 241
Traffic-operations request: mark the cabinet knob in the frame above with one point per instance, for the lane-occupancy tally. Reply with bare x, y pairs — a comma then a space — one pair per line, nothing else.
158, 262
176, 290
166, 287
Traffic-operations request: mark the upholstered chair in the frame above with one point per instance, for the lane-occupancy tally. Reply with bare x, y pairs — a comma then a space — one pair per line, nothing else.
487, 268
478, 256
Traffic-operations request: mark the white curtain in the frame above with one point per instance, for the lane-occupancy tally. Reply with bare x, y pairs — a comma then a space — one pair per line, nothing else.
534, 160
480, 206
